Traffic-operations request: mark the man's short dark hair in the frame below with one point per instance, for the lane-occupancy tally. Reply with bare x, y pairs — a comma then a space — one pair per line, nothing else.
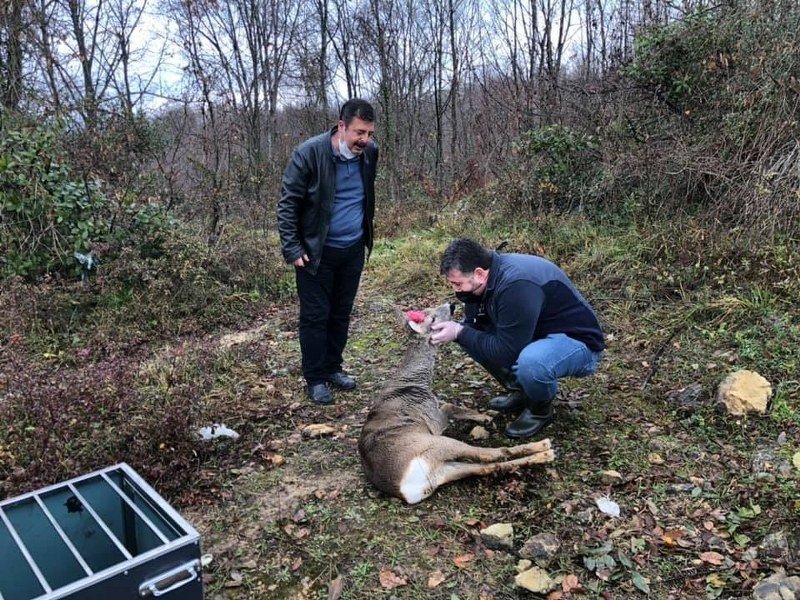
465, 255
356, 107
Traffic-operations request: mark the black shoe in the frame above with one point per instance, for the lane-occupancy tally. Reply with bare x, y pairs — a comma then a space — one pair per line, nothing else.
514, 401
342, 381
528, 424
320, 393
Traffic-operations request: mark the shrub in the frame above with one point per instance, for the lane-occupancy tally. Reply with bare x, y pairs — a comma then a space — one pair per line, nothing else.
554, 168
46, 213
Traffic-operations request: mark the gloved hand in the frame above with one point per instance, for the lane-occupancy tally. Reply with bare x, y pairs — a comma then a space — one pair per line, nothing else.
445, 332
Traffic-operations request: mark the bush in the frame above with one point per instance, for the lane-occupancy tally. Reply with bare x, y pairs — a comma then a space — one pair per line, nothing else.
48, 213
722, 117
555, 168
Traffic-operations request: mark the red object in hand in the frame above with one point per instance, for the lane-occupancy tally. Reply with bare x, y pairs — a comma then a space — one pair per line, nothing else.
417, 316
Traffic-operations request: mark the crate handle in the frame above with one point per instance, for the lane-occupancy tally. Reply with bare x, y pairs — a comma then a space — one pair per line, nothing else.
177, 577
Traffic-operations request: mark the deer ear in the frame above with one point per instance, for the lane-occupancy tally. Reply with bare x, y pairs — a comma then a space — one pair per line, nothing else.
420, 328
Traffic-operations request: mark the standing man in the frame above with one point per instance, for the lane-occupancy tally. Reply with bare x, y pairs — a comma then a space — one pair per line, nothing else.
325, 220
525, 323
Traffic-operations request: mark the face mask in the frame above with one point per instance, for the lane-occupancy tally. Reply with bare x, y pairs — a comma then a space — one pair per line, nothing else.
468, 297
344, 151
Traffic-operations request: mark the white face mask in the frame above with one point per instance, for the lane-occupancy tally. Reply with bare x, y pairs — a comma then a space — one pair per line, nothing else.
344, 151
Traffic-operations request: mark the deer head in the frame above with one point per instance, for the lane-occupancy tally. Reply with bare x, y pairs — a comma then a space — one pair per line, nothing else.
420, 321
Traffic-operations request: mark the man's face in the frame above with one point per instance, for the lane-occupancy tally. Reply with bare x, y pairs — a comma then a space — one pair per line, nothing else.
472, 283
356, 135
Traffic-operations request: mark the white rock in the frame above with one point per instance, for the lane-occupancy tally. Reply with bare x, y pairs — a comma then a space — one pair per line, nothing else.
479, 433
535, 580
499, 536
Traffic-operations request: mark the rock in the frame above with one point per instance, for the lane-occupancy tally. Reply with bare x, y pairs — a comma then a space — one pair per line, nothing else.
318, 430
778, 587
524, 565
611, 477
479, 433
687, 399
535, 580
765, 463
776, 545
541, 549
744, 392
499, 536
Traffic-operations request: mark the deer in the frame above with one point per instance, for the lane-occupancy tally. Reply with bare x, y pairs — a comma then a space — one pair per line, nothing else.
403, 452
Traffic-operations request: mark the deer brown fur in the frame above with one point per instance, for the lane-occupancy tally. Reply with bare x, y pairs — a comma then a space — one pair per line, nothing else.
402, 448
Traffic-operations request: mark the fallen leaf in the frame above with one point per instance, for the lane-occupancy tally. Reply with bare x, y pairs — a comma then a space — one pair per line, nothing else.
335, 588
318, 430
297, 564
389, 580
714, 558
461, 561
796, 460
570, 583
641, 583
435, 578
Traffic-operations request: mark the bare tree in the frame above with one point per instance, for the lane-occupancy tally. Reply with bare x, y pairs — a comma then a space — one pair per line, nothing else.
12, 26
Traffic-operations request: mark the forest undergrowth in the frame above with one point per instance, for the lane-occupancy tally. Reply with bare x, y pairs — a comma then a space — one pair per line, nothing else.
87, 381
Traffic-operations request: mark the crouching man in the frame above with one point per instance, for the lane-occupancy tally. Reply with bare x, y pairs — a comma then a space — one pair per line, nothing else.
525, 323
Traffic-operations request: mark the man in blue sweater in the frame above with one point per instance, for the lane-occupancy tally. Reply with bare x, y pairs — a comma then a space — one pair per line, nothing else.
325, 221
525, 323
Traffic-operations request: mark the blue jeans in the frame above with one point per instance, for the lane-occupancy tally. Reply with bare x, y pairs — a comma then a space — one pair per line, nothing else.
542, 363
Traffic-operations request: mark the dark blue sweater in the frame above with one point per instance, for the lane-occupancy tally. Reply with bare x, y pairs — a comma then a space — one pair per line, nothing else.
526, 299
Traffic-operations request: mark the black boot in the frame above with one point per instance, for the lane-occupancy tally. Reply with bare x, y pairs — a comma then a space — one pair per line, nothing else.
514, 401
532, 420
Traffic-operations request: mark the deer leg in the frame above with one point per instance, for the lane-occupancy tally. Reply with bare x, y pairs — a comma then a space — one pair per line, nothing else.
445, 449
454, 470
460, 413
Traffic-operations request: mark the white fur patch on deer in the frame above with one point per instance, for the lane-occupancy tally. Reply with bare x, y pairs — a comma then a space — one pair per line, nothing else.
401, 446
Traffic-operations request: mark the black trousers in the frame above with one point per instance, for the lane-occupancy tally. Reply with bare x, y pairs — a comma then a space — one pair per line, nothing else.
326, 301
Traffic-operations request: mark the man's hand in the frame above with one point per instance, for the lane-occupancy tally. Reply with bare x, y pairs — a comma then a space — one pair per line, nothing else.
301, 262
445, 332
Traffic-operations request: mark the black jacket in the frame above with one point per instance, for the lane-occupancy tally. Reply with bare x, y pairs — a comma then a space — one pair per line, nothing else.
526, 299
307, 193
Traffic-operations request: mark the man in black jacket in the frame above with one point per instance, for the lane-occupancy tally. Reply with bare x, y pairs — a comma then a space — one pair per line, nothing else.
525, 323
325, 220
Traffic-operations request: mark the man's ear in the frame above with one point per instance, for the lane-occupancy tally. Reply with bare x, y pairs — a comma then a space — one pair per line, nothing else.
481, 275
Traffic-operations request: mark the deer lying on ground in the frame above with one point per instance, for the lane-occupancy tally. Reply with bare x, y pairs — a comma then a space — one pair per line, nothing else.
402, 448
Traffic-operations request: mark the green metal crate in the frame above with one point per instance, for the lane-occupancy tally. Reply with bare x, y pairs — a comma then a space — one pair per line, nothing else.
106, 535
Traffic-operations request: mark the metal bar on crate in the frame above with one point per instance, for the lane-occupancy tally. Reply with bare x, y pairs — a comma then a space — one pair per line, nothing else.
100, 522
147, 491
136, 509
25, 553
63, 536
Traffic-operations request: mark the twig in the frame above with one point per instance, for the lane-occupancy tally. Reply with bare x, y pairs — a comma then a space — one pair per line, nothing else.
657, 355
